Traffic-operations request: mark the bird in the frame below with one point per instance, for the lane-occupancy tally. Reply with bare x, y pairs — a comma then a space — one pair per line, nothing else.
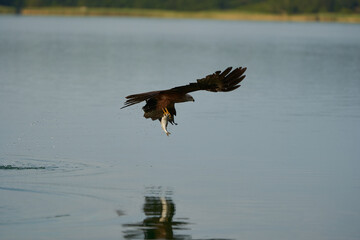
161, 103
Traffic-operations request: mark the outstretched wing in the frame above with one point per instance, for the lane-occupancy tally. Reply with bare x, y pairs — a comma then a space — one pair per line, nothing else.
138, 98
225, 81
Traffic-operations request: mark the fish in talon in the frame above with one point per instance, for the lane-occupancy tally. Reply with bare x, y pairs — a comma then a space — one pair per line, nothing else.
164, 123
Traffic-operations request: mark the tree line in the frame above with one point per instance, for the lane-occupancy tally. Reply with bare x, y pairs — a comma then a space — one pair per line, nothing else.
267, 6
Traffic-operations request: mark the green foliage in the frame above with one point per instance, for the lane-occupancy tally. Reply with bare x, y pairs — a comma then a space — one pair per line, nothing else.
268, 6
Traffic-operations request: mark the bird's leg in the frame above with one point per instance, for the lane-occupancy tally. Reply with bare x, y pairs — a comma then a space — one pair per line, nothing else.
166, 111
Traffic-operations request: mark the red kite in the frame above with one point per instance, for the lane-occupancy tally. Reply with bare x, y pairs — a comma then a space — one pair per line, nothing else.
162, 103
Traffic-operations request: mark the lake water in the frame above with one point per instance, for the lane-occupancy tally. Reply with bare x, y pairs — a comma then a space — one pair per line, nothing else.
276, 159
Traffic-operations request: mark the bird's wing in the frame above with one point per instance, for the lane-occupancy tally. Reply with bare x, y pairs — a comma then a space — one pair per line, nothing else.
137, 98
225, 81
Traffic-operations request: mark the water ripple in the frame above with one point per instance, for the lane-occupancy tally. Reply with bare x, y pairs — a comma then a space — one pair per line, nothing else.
10, 167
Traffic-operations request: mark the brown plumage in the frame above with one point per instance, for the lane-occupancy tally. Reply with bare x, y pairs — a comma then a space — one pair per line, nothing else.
156, 101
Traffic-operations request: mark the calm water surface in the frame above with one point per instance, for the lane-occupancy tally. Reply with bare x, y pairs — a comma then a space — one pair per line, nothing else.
276, 159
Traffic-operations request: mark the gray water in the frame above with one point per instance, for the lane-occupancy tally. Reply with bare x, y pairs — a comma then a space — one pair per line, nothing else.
276, 159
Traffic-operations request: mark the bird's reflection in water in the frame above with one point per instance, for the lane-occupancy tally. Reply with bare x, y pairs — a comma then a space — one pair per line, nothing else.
159, 222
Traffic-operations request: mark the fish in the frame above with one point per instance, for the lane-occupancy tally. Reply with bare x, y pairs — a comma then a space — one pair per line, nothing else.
164, 122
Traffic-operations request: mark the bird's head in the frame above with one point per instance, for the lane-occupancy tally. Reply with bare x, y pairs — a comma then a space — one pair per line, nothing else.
189, 98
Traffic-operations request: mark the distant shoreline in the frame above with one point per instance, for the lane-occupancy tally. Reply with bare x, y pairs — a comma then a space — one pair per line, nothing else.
219, 15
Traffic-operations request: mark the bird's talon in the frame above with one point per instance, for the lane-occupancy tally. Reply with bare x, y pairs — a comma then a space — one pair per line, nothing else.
166, 111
